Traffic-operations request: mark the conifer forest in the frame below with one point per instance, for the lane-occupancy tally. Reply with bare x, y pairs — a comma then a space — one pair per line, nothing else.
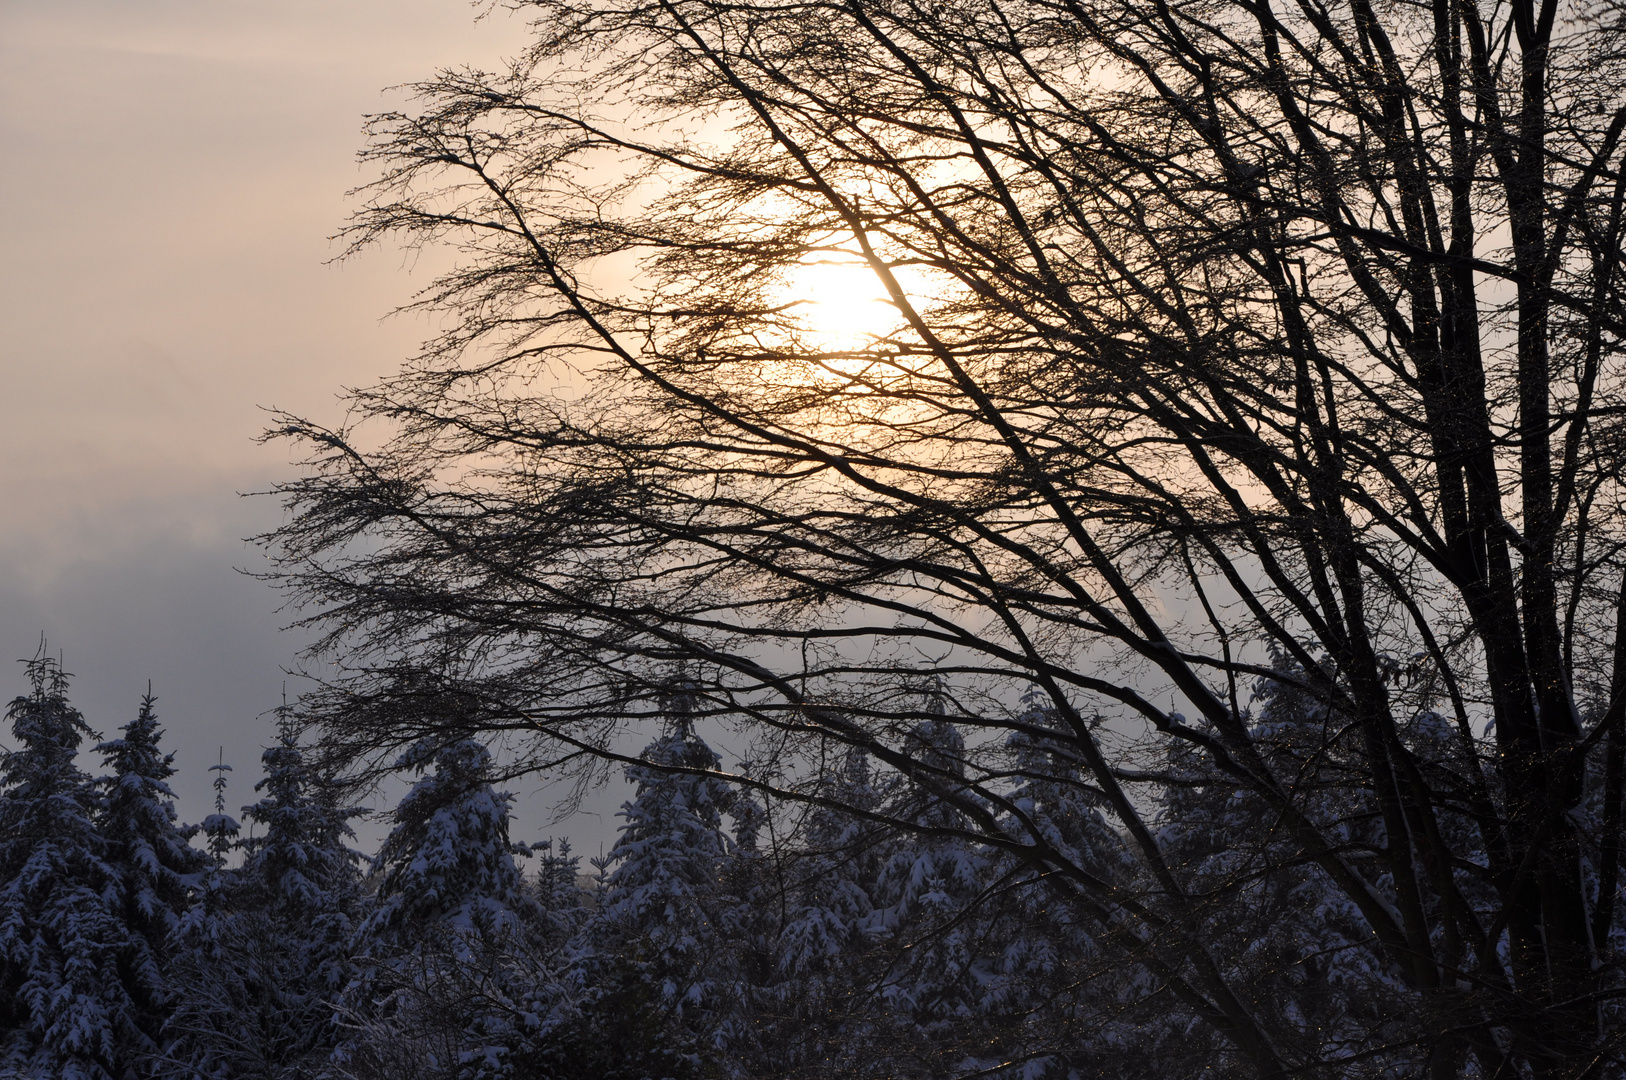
1092, 531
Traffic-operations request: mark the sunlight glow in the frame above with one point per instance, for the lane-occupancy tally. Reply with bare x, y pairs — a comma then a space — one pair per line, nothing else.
840, 305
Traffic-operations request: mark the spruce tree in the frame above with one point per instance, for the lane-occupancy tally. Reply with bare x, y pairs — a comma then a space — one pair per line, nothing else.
665, 895
558, 889
465, 969
824, 956
220, 828
656, 984
449, 862
1054, 993
300, 867
1287, 936
924, 909
155, 869
65, 1008
220, 831
258, 988
441, 958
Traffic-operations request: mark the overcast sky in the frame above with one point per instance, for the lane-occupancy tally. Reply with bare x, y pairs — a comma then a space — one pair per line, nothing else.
172, 170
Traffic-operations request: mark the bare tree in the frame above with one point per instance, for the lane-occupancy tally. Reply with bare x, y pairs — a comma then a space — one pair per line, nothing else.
1232, 340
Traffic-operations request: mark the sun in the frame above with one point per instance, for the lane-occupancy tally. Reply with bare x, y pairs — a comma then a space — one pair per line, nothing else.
838, 305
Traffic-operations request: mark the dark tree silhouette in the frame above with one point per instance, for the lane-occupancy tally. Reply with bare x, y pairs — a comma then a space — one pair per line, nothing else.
1232, 340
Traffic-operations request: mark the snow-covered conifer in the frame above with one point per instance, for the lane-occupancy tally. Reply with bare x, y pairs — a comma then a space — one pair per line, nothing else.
924, 901
194, 945
823, 957
834, 874
300, 866
445, 959
1281, 929
65, 1010
558, 888
651, 985
665, 896
155, 868
449, 860
256, 992
1054, 989
1051, 789
220, 829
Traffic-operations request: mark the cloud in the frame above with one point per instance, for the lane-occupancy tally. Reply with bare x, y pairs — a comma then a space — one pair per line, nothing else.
169, 608
173, 172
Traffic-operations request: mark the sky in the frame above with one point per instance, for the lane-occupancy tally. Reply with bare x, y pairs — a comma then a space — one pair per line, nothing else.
172, 174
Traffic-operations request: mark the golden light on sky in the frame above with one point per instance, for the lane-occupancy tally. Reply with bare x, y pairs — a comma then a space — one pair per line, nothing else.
840, 303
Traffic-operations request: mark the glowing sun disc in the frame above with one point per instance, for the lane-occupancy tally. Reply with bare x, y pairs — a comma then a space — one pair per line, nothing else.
841, 305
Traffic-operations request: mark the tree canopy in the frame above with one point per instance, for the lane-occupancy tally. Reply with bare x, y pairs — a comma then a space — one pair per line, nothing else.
1227, 341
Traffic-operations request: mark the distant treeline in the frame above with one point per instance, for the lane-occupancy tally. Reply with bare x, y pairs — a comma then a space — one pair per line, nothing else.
718, 938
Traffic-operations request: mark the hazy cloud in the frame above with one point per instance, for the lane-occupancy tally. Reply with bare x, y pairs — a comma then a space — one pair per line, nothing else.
172, 174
